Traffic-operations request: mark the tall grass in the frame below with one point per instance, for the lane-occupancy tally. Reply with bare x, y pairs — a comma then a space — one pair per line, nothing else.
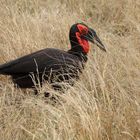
105, 103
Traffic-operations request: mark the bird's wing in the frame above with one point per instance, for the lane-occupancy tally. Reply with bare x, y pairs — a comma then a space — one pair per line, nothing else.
38, 61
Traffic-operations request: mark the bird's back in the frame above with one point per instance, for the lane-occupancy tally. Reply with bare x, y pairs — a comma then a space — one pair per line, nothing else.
50, 62
43, 59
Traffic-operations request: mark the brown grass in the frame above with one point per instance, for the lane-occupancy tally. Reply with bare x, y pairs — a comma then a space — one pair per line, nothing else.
105, 103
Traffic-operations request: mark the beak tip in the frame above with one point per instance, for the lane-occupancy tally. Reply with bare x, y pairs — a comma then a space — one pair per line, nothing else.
98, 42
105, 50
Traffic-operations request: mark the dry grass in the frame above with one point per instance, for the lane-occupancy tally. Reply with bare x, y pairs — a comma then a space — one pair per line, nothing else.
105, 103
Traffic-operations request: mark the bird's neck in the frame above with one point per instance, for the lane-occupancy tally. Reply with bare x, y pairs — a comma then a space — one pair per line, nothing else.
79, 53
79, 46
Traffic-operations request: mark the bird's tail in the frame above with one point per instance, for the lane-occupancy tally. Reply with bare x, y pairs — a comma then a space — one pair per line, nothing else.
2, 70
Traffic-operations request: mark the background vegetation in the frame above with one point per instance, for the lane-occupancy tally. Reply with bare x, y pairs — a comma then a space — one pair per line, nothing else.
105, 103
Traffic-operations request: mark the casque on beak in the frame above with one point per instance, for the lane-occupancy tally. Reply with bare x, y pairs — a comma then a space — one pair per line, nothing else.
92, 37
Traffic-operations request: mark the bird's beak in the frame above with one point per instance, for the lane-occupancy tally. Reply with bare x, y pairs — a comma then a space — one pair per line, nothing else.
95, 39
98, 42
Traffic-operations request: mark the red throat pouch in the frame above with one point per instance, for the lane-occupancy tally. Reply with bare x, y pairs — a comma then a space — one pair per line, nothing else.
84, 43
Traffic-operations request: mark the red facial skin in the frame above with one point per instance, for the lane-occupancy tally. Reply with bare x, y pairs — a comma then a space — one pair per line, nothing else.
83, 30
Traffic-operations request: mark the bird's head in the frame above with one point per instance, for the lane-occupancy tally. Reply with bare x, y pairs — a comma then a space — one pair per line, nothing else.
80, 34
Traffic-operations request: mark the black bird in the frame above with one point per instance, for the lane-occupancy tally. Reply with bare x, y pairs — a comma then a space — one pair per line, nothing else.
53, 65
